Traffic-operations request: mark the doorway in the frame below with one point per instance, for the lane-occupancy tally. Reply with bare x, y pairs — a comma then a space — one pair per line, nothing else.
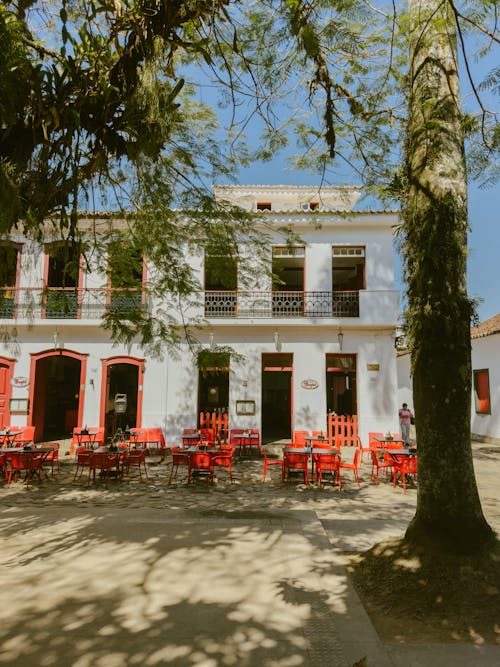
56, 396
341, 389
6, 373
277, 371
122, 391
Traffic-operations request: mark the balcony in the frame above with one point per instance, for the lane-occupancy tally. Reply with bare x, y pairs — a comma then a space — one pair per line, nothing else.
254, 305
71, 303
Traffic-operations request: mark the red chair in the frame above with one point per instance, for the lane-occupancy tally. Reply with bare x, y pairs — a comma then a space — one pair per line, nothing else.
26, 436
104, 463
53, 456
354, 465
135, 458
270, 462
406, 466
138, 438
223, 460
179, 458
207, 437
82, 460
328, 464
362, 449
295, 463
378, 464
371, 439
298, 438
23, 461
200, 465
189, 441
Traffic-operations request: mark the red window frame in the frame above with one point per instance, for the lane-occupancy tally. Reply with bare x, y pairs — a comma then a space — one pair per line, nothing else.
482, 391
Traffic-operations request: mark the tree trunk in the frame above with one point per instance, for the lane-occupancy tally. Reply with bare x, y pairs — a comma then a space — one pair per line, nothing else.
449, 511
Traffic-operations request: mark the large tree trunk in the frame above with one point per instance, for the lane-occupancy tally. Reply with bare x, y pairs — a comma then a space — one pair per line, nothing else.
448, 512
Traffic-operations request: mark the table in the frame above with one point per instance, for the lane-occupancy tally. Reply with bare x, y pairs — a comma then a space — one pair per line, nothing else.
316, 438
7, 437
190, 437
243, 440
384, 441
43, 451
85, 436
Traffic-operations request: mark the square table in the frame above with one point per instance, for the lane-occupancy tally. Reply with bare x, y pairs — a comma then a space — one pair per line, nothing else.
310, 451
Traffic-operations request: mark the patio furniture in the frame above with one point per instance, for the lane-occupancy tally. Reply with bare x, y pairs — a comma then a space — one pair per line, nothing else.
295, 463
53, 456
378, 464
105, 463
82, 460
26, 436
406, 465
363, 449
269, 463
354, 465
29, 462
179, 458
200, 466
135, 458
223, 459
328, 464
299, 438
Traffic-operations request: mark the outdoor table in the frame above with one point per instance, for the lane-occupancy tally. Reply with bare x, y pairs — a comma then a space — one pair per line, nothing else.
243, 440
316, 438
388, 440
7, 437
43, 451
85, 437
190, 437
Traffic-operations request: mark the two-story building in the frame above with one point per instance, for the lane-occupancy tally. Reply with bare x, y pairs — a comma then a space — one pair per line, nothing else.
312, 334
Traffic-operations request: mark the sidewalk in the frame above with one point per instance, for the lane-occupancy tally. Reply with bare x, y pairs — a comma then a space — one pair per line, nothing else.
244, 574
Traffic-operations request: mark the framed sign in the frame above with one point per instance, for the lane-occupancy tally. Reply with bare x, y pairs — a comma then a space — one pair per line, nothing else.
19, 406
245, 407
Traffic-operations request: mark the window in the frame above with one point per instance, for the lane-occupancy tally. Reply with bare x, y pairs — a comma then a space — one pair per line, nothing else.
9, 258
310, 206
482, 391
62, 280
263, 205
348, 268
126, 275
221, 283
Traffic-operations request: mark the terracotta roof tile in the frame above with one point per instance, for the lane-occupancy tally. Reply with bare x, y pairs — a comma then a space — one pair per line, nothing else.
486, 328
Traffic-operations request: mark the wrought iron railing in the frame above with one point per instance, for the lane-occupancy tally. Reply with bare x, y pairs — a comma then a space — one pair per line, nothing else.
69, 303
253, 304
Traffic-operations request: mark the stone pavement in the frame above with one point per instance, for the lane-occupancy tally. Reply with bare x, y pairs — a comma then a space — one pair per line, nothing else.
244, 574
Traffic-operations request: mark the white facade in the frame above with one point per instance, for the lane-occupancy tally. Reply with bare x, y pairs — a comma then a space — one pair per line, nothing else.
485, 407
299, 329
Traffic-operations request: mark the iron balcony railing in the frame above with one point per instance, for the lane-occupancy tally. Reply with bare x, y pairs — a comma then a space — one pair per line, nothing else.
70, 303
250, 304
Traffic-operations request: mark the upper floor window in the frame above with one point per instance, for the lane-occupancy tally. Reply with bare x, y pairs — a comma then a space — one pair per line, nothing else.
310, 206
482, 391
9, 260
62, 279
348, 268
9, 257
126, 274
288, 268
221, 283
264, 206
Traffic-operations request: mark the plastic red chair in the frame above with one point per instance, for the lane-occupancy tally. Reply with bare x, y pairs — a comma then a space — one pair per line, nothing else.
53, 456
135, 458
406, 466
354, 465
82, 460
269, 463
328, 464
104, 463
26, 436
200, 465
298, 438
179, 458
362, 449
223, 460
378, 464
22, 461
371, 439
207, 437
295, 463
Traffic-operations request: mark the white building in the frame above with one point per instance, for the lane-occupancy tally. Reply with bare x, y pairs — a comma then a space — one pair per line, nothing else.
320, 340
485, 410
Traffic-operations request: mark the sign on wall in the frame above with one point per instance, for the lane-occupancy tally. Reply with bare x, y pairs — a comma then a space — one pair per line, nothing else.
309, 384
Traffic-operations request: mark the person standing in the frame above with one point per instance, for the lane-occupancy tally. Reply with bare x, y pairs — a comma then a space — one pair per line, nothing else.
405, 417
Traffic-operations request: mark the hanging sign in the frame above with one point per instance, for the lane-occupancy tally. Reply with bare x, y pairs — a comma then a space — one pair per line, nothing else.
19, 381
309, 384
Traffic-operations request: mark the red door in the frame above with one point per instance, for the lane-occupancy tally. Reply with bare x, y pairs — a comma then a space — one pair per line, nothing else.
5, 391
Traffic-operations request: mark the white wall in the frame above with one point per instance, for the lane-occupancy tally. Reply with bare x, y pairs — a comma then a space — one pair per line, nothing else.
486, 355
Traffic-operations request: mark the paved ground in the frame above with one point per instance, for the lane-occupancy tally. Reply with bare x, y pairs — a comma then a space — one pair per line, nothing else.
244, 574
